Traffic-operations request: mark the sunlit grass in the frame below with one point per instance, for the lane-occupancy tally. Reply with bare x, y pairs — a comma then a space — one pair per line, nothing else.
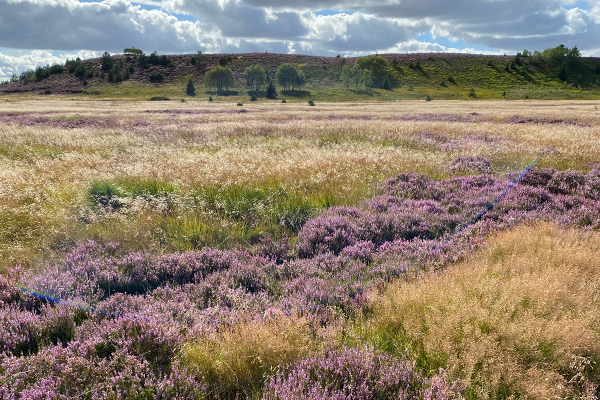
519, 320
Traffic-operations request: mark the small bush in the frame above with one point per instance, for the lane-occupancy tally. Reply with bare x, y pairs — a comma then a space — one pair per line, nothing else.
104, 194
159, 98
190, 90
411, 88
210, 98
240, 104
271, 91
156, 77
182, 100
472, 93
428, 98
283, 101
311, 103
48, 91
253, 98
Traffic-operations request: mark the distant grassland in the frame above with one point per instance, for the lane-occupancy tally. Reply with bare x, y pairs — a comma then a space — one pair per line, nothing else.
195, 174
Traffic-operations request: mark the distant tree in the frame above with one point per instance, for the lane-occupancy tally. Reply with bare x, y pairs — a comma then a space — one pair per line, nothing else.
198, 59
518, 60
346, 75
380, 69
190, 90
106, 61
223, 61
562, 75
255, 77
357, 74
300, 79
219, 78
367, 78
271, 91
289, 76
132, 51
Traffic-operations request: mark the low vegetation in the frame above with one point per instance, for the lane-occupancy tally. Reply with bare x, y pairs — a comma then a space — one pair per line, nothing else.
281, 251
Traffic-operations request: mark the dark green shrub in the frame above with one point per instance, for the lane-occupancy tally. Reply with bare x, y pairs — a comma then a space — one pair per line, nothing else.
103, 194
283, 101
562, 75
190, 90
428, 98
159, 98
48, 91
271, 91
472, 93
210, 98
253, 98
240, 104
311, 103
106, 62
156, 77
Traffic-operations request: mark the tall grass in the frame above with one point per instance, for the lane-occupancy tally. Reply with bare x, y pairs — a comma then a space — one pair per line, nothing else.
519, 320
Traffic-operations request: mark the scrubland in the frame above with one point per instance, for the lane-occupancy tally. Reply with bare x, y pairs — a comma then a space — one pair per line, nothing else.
281, 251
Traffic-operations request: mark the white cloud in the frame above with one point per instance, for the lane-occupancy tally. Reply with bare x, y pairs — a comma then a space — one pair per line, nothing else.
24, 60
290, 26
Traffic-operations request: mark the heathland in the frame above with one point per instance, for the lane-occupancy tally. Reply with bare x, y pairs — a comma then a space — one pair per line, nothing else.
431, 250
555, 73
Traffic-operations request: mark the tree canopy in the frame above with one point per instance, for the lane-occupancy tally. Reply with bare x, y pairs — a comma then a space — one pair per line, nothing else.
219, 78
255, 77
290, 76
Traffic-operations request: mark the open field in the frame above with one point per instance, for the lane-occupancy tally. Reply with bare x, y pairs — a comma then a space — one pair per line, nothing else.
206, 250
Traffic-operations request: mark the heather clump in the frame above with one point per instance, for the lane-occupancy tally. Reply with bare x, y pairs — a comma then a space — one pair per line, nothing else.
470, 165
118, 360
357, 374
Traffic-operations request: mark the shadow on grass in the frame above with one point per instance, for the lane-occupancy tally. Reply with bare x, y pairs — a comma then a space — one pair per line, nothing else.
223, 93
295, 93
363, 92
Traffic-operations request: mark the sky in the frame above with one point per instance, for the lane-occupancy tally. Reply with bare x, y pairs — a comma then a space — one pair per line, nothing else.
40, 32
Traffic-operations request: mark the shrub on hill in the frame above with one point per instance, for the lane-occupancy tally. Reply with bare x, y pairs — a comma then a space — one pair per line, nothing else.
106, 62
190, 90
156, 77
380, 69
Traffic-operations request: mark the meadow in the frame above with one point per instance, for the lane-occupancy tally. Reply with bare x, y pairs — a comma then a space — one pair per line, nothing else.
283, 251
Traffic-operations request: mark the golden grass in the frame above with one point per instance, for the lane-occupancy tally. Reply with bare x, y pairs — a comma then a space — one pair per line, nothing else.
520, 320
239, 360
46, 170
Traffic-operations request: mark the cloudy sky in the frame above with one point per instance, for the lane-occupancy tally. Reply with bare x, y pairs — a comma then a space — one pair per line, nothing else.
39, 32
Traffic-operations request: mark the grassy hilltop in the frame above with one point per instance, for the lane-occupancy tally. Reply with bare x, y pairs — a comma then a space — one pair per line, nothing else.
408, 76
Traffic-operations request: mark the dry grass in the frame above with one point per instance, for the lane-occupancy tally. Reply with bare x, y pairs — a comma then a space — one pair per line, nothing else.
331, 151
238, 361
520, 320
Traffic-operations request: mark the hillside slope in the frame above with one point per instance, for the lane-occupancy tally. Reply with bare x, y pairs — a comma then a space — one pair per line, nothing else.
439, 74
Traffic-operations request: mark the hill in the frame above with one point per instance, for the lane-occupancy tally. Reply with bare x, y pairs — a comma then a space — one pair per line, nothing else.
412, 76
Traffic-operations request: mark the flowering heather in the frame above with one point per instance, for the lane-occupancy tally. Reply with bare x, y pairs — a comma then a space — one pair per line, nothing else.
470, 165
358, 374
219, 219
